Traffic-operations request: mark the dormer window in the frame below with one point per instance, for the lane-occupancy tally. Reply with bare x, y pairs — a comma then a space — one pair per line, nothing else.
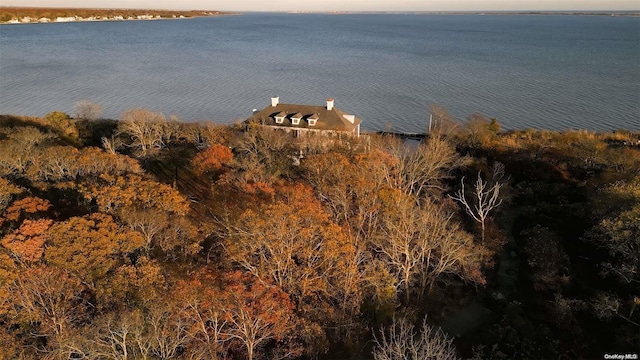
313, 119
295, 119
280, 117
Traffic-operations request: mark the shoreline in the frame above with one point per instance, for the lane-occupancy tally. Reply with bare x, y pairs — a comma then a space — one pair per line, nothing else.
218, 13
24, 15
409, 135
105, 21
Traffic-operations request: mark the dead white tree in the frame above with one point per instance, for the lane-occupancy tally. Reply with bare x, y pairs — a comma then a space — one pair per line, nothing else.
207, 329
400, 342
113, 336
144, 128
111, 144
485, 196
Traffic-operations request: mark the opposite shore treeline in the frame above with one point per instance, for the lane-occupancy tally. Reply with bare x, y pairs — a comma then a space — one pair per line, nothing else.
19, 15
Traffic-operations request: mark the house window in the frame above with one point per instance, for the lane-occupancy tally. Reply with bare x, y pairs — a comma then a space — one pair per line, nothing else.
312, 122
295, 121
279, 120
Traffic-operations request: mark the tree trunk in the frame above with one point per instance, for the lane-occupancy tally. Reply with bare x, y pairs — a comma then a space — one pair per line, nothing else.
407, 275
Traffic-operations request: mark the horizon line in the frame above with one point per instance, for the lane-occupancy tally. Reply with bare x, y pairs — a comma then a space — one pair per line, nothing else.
325, 11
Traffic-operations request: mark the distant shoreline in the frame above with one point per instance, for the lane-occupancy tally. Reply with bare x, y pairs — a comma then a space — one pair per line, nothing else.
27, 15
34, 15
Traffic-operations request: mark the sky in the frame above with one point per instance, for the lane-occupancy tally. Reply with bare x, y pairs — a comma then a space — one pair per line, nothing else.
338, 5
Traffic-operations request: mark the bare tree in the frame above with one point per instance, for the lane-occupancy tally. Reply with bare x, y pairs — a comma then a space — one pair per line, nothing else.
113, 336
607, 306
485, 196
426, 166
21, 149
57, 163
401, 242
111, 144
51, 301
403, 343
167, 330
146, 129
263, 154
442, 122
148, 222
88, 110
207, 330
420, 243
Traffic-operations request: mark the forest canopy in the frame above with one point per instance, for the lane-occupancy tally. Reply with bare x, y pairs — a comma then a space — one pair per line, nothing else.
152, 238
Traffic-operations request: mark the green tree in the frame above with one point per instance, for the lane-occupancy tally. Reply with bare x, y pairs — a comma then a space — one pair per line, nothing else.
57, 116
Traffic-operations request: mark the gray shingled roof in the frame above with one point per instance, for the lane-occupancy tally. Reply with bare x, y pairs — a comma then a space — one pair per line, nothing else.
327, 119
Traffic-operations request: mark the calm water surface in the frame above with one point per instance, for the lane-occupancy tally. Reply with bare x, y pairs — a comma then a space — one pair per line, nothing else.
555, 72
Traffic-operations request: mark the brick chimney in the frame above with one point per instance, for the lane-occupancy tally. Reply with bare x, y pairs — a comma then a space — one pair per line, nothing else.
329, 104
275, 100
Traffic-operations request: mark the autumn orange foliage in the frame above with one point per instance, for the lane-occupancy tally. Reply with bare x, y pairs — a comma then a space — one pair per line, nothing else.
115, 193
211, 159
239, 312
90, 246
28, 205
27, 242
133, 285
261, 246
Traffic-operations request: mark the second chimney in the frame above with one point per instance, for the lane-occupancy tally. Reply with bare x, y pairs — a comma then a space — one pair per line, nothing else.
275, 100
329, 104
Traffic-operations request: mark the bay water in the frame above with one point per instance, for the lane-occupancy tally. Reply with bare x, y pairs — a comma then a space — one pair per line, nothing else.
554, 72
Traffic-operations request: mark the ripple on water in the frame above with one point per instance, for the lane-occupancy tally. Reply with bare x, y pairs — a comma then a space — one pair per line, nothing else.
387, 69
